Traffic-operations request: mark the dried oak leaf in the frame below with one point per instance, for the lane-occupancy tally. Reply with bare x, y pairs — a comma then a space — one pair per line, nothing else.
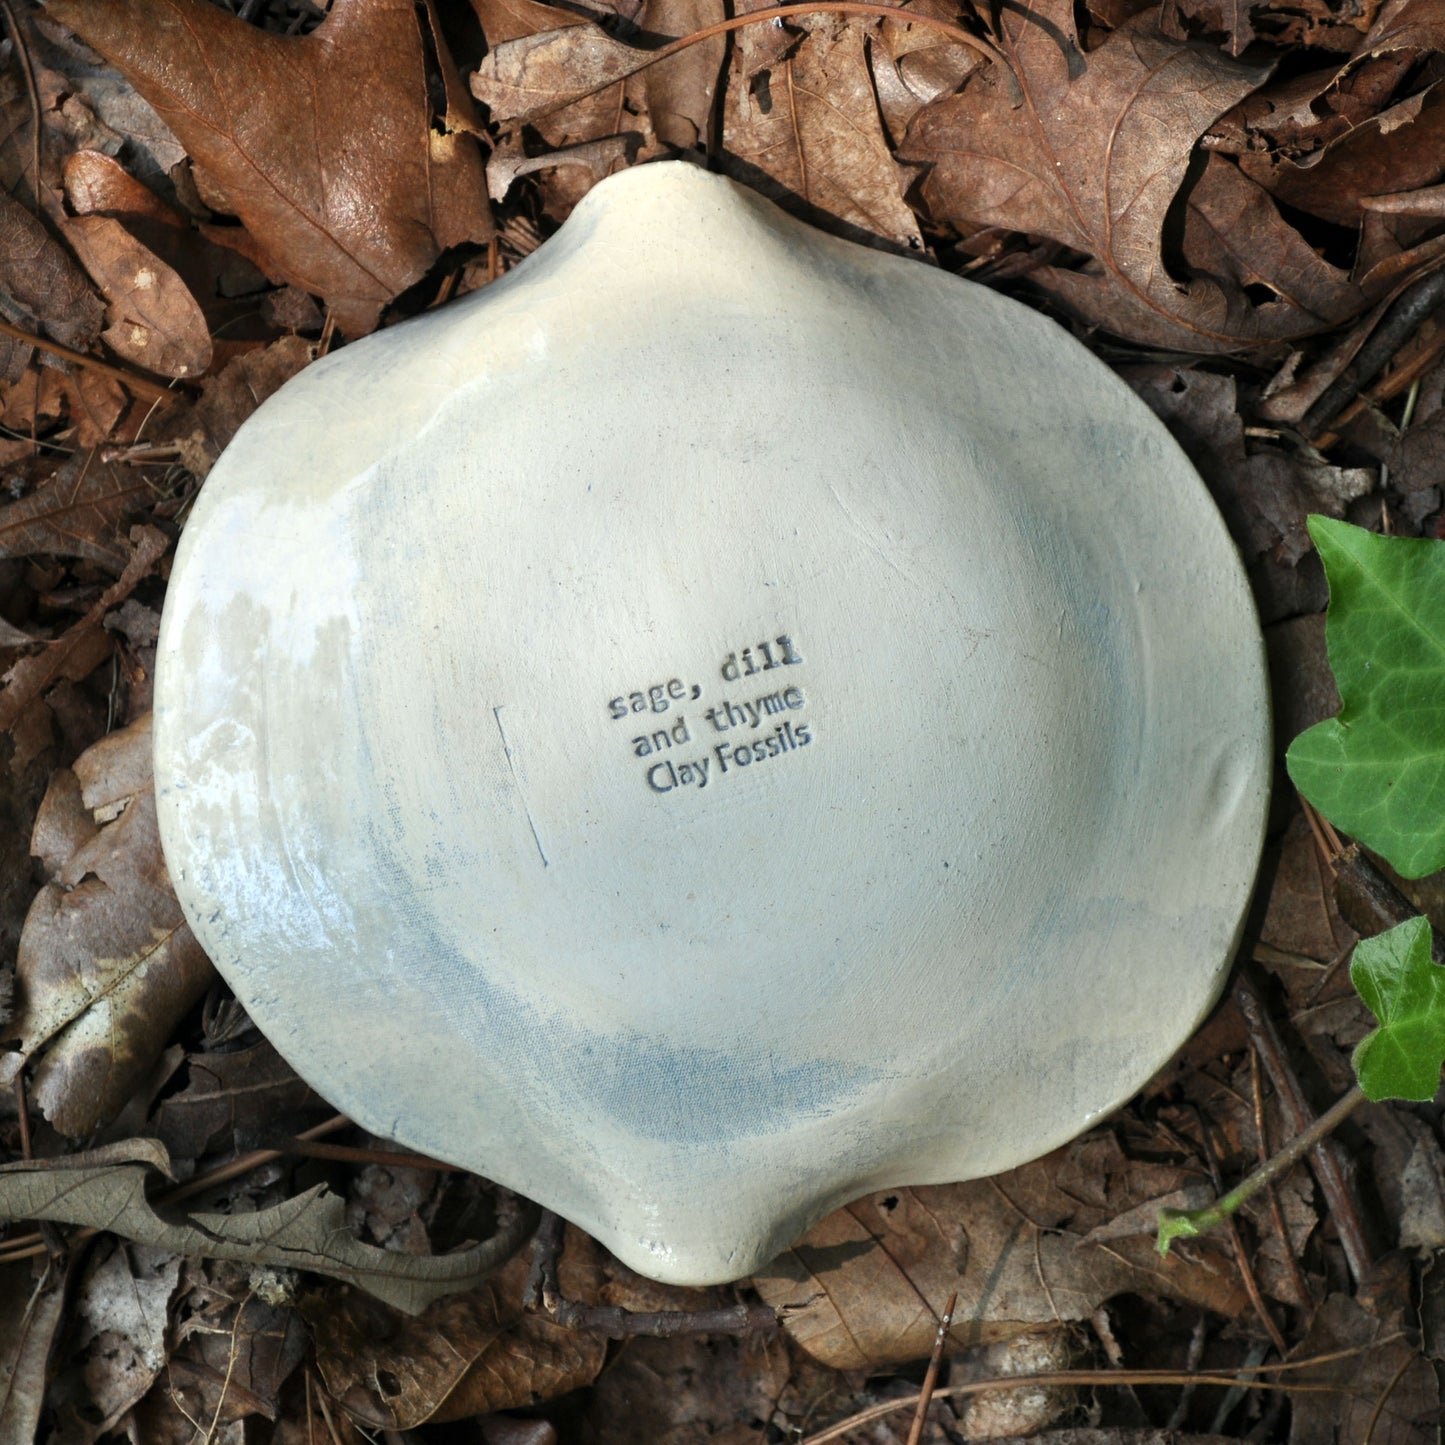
107, 963
76, 512
40, 286
306, 1232
1094, 158
348, 166
806, 133
1400, 149
468, 1354
1046, 1243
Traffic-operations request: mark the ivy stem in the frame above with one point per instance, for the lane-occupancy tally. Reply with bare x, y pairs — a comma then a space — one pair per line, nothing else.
1186, 1223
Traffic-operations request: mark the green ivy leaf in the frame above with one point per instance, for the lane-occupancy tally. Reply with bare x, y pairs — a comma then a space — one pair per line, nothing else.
1377, 770
1406, 991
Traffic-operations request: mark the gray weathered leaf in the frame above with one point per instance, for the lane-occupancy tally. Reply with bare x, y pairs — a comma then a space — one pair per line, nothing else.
307, 1232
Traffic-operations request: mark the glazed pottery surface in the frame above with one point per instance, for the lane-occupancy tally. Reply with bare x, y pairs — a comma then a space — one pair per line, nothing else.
718, 721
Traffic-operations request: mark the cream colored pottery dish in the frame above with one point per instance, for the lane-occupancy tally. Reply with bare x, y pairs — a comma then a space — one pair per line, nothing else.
719, 721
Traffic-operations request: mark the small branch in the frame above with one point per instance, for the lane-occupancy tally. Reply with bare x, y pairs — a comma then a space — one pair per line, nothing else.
1422, 297
618, 1324
833, 7
1328, 1165
1186, 1223
930, 1380
140, 385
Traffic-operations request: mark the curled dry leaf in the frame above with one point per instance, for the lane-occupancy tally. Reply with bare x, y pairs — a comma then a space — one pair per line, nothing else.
40, 286
307, 1232
1094, 159
107, 963
328, 146
1400, 149
913, 65
806, 133
863, 1287
31, 1314
76, 512
469, 1354
152, 320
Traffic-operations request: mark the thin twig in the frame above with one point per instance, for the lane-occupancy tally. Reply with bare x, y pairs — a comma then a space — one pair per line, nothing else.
1422, 297
1326, 1160
1385, 1395
22, 1110
620, 1324
785, 12
1070, 1378
1236, 1240
1276, 1209
930, 1379
140, 385
230, 1369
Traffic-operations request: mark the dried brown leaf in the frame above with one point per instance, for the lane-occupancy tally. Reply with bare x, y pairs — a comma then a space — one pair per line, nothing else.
227, 1093
123, 1299
1389, 1391
866, 1284
469, 1354
1406, 25
327, 146
681, 92
538, 75
504, 20
807, 133
152, 319
107, 963
76, 512
1094, 159
63, 825
598, 158
97, 184
1401, 149
202, 432
83, 647
40, 286
31, 1313
913, 65
113, 771
307, 1232
217, 264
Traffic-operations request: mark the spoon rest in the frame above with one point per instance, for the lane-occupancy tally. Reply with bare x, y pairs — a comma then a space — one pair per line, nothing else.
717, 722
